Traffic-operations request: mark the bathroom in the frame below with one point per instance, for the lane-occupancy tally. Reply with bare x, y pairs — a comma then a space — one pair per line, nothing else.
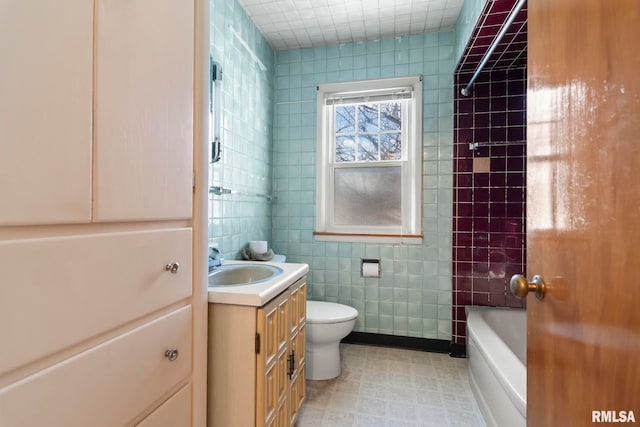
473, 198
530, 170
412, 304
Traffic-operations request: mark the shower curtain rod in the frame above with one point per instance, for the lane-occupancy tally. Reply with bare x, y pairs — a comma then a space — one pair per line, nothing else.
465, 90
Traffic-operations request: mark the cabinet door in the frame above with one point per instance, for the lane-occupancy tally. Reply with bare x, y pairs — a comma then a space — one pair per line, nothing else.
143, 109
45, 111
272, 365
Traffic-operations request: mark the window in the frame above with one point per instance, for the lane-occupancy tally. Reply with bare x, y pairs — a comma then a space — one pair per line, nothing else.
369, 177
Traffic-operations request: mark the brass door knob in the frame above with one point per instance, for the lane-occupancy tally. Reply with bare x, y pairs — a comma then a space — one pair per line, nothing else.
520, 287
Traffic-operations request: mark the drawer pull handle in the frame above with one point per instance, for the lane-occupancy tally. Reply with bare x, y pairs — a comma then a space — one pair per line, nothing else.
171, 354
291, 360
173, 267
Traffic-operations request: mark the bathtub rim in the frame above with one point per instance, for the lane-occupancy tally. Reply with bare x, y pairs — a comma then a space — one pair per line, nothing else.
509, 363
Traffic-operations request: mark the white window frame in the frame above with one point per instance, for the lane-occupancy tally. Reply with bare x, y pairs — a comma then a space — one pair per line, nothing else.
410, 231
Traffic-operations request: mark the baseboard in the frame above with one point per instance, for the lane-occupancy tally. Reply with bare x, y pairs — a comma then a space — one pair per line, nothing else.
458, 350
411, 343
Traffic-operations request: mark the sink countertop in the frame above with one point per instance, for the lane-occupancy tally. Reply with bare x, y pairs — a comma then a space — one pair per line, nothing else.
260, 293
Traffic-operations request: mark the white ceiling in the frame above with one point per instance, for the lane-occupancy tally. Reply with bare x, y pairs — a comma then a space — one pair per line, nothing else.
294, 24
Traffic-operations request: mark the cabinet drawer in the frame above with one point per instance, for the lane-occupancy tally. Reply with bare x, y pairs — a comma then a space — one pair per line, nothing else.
77, 287
175, 412
105, 386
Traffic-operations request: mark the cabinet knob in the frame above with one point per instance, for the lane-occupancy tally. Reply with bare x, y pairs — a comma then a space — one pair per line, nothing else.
173, 267
171, 354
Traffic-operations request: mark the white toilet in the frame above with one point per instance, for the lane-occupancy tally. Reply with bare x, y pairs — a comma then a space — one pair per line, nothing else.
327, 324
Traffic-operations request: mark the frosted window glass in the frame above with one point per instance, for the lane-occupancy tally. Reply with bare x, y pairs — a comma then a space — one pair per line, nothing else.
368, 196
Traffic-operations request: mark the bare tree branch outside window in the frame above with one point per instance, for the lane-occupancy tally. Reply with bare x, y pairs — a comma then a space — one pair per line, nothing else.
368, 132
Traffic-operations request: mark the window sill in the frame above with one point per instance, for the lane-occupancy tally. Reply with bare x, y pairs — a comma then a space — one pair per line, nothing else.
412, 239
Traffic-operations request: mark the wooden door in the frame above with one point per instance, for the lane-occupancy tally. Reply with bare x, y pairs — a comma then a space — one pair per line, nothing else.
45, 111
143, 145
584, 210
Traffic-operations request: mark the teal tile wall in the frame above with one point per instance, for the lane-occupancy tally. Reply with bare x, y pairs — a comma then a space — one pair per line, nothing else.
413, 296
469, 14
247, 127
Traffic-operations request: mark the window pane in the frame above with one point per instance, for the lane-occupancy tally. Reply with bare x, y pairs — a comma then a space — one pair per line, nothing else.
390, 146
345, 119
373, 135
368, 117
390, 115
367, 147
367, 196
345, 149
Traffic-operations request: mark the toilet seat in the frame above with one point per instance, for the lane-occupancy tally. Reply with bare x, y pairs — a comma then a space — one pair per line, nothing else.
322, 312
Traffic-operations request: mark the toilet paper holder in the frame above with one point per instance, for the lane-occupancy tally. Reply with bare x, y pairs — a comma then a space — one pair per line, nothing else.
369, 267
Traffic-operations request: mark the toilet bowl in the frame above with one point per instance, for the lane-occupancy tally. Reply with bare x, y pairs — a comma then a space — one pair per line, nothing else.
327, 324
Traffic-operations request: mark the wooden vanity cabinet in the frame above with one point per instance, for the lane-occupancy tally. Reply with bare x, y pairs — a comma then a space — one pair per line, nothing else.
257, 361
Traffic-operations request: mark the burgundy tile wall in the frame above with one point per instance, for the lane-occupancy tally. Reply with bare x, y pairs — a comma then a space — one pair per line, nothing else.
489, 211
489, 236
511, 52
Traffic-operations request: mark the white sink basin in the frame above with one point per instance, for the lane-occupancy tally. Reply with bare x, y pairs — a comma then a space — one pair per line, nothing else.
253, 293
243, 274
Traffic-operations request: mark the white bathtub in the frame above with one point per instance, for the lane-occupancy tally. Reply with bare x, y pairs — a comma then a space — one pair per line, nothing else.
497, 353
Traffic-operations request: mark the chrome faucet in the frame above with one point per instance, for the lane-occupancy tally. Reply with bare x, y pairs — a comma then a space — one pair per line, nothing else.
215, 258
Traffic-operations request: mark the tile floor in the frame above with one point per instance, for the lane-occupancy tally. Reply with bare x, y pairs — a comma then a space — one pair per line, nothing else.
390, 387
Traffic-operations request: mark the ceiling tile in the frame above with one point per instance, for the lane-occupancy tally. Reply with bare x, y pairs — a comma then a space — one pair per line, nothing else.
287, 24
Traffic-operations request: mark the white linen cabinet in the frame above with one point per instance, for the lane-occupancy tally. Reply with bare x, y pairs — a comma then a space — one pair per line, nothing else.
96, 217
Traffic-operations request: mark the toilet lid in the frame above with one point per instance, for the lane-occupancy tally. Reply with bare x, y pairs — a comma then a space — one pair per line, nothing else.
329, 312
